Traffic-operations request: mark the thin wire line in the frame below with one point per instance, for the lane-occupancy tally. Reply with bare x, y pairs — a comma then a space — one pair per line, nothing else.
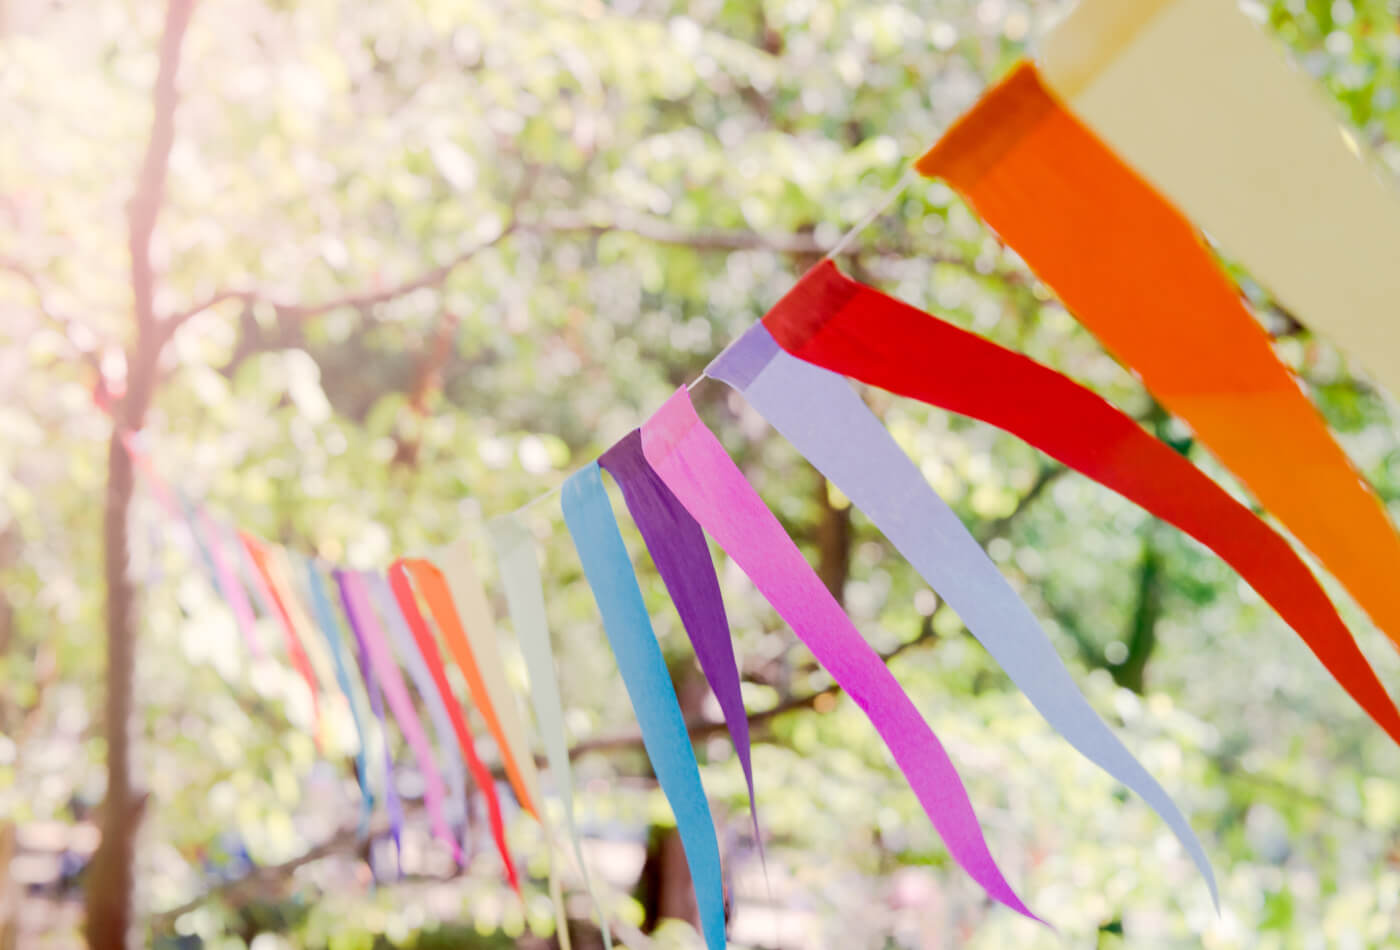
873, 213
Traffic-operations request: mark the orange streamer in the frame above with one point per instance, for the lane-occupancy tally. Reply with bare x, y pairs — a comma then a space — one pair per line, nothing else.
295, 650
1136, 273
433, 588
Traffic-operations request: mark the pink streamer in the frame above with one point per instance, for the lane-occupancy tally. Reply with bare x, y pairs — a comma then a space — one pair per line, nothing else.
381, 660
696, 468
232, 590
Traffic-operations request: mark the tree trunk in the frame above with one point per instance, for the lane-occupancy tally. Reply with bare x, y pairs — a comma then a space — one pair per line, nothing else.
833, 541
1142, 630
110, 923
112, 875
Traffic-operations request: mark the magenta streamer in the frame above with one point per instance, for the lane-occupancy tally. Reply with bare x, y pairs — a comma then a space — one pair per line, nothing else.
367, 631
692, 463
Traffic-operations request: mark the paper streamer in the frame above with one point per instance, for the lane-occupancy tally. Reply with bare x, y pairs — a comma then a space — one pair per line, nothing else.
405, 649
831, 321
408, 606
206, 538
285, 582
376, 702
520, 577
1134, 272
186, 513
367, 630
300, 661
325, 617
849, 446
1196, 98
471, 638
248, 571
696, 468
589, 517
682, 556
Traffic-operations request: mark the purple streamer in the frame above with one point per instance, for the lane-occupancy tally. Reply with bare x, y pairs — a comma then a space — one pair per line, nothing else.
682, 556
376, 702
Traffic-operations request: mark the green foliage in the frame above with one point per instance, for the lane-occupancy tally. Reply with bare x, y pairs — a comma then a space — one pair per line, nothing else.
327, 149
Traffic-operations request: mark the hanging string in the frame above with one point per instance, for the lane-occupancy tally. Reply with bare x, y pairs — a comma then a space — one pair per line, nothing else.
910, 173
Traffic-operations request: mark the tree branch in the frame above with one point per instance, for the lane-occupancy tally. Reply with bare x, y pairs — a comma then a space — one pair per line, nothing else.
433, 277
655, 230
150, 185
1000, 526
343, 840
66, 326
704, 728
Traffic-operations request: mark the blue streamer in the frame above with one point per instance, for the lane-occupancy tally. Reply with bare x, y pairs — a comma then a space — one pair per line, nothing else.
589, 516
325, 619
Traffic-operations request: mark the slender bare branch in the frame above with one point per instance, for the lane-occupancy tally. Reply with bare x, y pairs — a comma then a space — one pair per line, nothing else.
648, 228
433, 277
66, 326
703, 729
342, 840
1000, 526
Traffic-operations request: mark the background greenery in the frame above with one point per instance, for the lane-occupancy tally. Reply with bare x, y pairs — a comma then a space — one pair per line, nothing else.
646, 177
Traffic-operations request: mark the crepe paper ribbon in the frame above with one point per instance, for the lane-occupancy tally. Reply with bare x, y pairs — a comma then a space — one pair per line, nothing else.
376, 702
206, 539
259, 555
186, 515
406, 650
1195, 97
1135, 272
247, 570
286, 582
593, 528
520, 577
831, 321
228, 584
354, 594
696, 468
823, 417
408, 607
682, 556
325, 619
471, 639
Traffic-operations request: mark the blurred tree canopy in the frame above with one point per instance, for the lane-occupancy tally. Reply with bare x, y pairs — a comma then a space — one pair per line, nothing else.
452, 250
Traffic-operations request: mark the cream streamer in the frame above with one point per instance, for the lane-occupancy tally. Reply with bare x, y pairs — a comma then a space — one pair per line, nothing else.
1198, 100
